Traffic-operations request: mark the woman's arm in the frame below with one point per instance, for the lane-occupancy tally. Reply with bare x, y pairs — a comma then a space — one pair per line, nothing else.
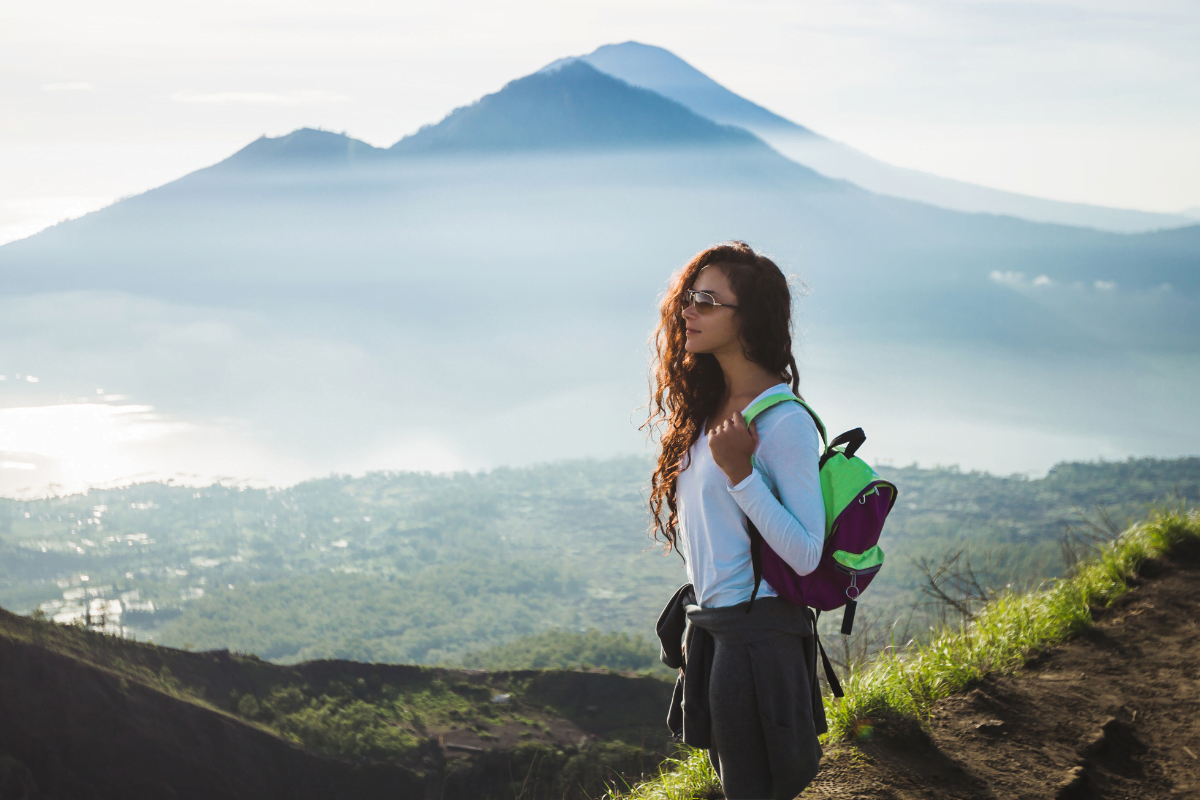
794, 523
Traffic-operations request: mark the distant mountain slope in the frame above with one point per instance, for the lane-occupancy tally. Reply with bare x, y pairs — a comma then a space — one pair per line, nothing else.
305, 148
661, 71
573, 146
572, 106
569, 148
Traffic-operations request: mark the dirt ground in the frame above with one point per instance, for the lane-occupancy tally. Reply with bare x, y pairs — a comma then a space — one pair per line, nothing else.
1113, 713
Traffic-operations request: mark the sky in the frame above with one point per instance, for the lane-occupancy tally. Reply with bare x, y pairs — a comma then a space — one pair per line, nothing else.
1092, 101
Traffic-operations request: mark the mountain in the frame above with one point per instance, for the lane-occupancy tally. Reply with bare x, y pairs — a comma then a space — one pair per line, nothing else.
551, 132
305, 148
481, 293
663, 72
572, 106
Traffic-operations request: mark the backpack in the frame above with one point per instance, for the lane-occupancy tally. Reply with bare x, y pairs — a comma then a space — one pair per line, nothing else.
857, 501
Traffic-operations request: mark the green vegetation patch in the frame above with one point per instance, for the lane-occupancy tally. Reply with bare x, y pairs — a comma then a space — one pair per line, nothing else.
410, 567
563, 649
689, 777
431, 616
390, 712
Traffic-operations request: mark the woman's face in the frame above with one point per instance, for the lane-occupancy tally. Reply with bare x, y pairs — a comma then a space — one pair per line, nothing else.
715, 329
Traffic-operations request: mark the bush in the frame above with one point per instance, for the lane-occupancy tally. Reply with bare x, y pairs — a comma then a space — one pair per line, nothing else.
247, 706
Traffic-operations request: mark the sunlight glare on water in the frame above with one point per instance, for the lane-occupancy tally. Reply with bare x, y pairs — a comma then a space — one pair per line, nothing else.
87, 442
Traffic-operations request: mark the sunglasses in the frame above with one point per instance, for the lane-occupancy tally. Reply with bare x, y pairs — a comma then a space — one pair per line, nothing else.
703, 301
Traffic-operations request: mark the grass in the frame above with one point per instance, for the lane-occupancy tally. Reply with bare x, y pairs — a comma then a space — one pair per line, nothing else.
906, 681
685, 778
998, 639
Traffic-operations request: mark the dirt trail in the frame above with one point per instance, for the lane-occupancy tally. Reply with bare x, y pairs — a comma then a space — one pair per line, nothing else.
1113, 713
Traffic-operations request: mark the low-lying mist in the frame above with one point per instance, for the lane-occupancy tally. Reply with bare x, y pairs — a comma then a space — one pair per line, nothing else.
463, 313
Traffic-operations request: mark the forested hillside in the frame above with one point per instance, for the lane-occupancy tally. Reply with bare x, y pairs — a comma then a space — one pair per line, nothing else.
420, 568
92, 716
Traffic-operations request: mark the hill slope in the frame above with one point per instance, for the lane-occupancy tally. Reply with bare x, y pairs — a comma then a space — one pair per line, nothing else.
89, 716
1111, 713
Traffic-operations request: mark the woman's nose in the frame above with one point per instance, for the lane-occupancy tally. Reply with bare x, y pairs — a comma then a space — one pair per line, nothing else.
689, 311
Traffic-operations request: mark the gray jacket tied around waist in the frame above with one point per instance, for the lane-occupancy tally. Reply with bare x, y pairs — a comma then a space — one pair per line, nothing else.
789, 701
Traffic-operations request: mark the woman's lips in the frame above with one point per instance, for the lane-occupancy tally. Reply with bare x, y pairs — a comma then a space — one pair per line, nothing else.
690, 330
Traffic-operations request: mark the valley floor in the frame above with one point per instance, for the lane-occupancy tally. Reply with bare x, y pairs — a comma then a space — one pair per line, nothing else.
1112, 713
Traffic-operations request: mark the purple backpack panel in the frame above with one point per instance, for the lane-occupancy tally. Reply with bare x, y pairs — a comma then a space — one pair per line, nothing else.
832, 583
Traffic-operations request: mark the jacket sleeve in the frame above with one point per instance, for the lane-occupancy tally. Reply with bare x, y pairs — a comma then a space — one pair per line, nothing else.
792, 523
671, 624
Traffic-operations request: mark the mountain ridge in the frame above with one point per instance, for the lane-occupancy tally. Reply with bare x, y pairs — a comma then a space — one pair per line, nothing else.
88, 715
594, 111
660, 70
311, 147
573, 107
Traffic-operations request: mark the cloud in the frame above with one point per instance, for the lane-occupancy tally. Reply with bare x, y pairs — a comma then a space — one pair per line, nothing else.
1017, 280
1008, 278
72, 86
297, 98
1105, 286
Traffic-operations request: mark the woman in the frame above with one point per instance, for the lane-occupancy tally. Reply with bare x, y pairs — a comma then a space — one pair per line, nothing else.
747, 687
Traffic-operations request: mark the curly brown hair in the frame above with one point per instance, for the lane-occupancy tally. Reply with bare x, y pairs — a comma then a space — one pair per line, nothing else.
687, 388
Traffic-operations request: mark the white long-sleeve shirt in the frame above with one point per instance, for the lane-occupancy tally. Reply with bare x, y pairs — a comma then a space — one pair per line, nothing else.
782, 496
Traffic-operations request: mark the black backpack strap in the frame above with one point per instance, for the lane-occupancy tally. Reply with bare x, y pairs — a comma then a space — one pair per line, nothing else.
834, 686
756, 542
848, 617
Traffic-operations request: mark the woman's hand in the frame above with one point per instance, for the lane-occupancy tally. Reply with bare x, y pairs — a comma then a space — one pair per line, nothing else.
732, 444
